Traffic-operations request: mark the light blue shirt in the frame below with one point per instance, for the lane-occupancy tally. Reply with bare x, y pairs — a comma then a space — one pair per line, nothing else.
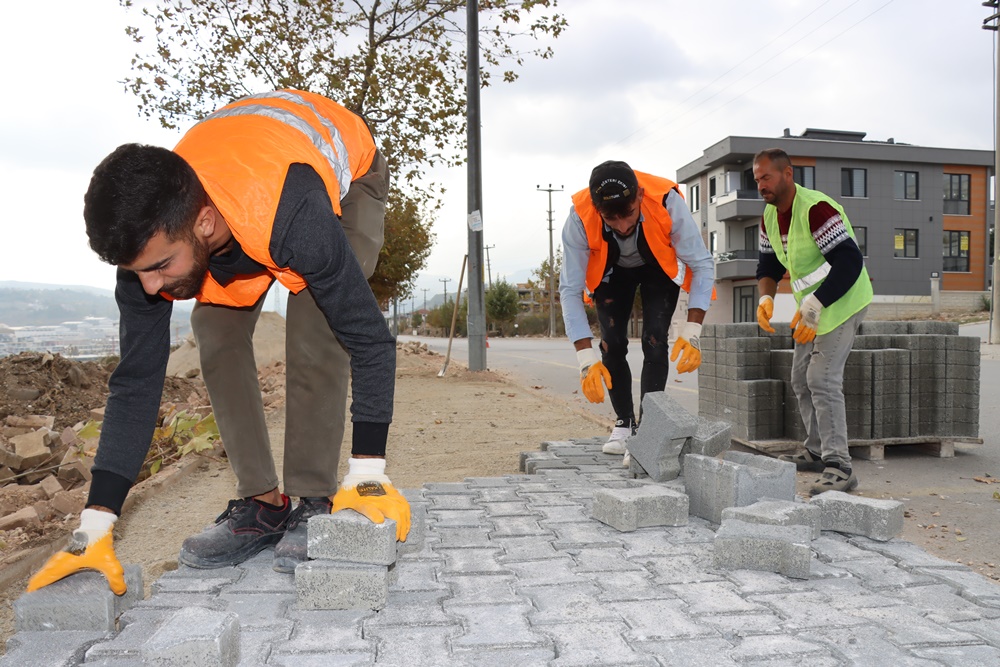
685, 237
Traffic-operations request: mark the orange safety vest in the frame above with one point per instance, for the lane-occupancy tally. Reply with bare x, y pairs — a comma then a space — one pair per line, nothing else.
241, 154
656, 226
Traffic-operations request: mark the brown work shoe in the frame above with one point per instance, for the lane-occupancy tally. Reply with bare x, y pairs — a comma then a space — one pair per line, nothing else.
835, 479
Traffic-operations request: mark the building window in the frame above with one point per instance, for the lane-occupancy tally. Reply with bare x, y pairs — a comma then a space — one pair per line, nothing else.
905, 185
805, 176
745, 303
854, 182
713, 242
694, 198
956, 194
751, 238
711, 189
905, 243
956, 251
861, 238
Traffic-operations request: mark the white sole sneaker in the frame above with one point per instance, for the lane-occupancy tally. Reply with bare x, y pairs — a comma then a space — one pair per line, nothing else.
627, 459
614, 447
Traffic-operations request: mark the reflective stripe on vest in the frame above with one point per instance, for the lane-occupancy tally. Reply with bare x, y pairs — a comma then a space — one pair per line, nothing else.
813, 278
335, 155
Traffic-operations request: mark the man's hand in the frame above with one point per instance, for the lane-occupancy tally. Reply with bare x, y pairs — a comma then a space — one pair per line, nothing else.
593, 375
688, 347
92, 548
806, 320
765, 311
366, 489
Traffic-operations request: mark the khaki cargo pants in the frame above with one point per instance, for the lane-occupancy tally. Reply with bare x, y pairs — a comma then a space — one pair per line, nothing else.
318, 368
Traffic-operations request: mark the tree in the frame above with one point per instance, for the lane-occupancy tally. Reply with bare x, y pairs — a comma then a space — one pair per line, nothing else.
408, 240
539, 283
501, 304
398, 63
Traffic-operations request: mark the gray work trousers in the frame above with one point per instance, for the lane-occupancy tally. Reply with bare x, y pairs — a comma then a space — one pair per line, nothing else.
818, 383
317, 367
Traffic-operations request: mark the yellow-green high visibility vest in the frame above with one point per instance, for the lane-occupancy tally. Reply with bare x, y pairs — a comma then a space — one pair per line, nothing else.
805, 263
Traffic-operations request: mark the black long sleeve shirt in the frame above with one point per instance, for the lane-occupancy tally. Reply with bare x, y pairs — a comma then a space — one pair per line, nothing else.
306, 237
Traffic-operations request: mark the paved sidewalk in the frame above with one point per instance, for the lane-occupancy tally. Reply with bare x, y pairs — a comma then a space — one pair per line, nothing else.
513, 571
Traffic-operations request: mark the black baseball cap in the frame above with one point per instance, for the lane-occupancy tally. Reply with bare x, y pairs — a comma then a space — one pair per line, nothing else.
612, 182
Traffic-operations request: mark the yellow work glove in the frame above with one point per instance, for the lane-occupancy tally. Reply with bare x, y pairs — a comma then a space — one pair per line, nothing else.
367, 490
593, 375
92, 548
688, 348
806, 320
765, 311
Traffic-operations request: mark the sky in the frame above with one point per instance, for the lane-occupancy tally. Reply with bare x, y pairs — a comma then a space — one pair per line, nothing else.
651, 82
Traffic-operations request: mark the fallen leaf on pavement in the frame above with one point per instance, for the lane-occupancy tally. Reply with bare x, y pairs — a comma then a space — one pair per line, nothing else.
986, 480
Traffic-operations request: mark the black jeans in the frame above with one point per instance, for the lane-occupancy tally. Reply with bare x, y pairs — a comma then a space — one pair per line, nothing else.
613, 300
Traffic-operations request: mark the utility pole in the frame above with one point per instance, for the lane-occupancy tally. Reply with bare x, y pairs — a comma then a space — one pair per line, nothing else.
488, 273
993, 23
425, 291
445, 281
477, 301
552, 263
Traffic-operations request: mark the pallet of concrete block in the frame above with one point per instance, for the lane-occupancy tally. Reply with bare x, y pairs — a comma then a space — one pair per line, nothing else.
870, 450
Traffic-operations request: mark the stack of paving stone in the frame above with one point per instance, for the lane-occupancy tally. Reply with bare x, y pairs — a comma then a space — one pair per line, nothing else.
513, 570
901, 380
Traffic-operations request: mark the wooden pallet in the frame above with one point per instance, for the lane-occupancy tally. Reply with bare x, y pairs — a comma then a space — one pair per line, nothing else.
870, 450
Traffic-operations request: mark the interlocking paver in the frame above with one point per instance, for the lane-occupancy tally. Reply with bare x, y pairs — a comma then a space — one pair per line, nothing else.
513, 571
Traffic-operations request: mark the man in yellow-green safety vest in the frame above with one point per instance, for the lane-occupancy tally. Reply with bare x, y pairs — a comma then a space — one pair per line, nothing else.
808, 234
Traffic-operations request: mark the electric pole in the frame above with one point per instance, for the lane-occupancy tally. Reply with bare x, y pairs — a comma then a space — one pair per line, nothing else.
425, 291
552, 263
477, 301
488, 273
445, 281
993, 23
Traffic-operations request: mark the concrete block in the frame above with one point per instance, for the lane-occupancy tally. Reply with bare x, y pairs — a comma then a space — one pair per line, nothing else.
736, 480
874, 518
711, 439
65, 648
326, 584
930, 327
657, 444
777, 513
349, 536
81, 601
771, 548
883, 328
50, 486
737, 330
640, 507
195, 637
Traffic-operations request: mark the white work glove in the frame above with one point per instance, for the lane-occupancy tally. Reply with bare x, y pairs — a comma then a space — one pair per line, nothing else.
806, 320
688, 347
593, 375
92, 548
366, 489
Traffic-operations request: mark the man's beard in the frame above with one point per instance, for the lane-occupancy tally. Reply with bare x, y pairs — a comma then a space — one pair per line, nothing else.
190, 285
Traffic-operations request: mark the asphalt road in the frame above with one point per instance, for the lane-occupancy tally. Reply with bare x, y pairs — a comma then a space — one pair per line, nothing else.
940, 494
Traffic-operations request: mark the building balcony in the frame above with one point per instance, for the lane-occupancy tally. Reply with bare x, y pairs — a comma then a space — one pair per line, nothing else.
738, 205
736, 264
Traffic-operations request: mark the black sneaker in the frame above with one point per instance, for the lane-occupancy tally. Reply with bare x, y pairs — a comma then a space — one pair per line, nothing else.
244, 529
291, 550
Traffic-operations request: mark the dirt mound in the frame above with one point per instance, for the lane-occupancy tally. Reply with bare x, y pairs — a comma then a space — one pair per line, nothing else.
268, 347
41, 383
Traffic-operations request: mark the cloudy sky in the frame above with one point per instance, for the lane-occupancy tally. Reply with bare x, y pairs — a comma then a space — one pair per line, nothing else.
652, 82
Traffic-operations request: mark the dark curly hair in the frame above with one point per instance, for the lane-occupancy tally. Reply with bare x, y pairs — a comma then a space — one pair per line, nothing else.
136, 192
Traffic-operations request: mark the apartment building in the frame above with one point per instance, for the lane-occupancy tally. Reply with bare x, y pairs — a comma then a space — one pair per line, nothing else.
919, 214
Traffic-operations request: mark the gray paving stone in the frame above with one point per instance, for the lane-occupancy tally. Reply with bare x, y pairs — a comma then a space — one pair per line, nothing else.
867, 645
981, 654
736, 480
708, 652
680, 569
516, 526
945, 604
970, 585
777, 513
774, 548
52, 648
566, 602
665, 428
410, 646
832, 547
325, 659
195, 636
871, 517
642, 506
506, 508
659, 619
735, 626
351, 537
257, 612
471, 561
883, 573
456, 518
476, 589
205, 584
411, 608
513, 657
755, 648
603, 559
714, 597
256, 645
495, 626
455, 501
906, 627
803, 610
517, 549
137, 626
629, 586
906, 554
326, 584
561, 514
560, 570
81, 601
587, 643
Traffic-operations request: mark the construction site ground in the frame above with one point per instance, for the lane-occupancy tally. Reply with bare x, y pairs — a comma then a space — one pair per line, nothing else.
476, 424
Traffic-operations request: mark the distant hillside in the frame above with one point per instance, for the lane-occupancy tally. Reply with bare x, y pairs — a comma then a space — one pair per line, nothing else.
38, 304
